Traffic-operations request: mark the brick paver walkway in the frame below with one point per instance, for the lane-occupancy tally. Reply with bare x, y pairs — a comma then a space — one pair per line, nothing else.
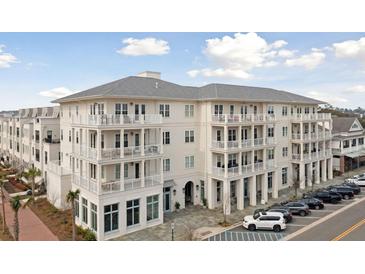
197, 219
31, 228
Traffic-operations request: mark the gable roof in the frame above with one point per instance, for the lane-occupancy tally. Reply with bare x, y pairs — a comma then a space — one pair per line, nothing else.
151, 88
343, 124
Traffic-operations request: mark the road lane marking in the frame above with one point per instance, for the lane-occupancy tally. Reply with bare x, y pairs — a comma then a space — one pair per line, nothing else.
307, 217
325, 210
295, 225
349, 230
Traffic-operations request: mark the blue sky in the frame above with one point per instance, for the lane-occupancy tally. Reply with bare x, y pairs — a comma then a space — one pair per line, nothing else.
326, 66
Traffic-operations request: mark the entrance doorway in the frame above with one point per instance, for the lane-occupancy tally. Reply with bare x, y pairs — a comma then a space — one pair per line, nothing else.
189, 189
167, 199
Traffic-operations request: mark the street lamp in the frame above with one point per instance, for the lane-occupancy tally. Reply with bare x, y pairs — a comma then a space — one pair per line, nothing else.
172, 231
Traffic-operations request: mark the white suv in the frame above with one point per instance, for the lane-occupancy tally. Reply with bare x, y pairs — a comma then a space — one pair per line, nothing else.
268, 221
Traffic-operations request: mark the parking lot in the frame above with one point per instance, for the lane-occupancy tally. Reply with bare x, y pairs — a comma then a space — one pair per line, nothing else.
239, 233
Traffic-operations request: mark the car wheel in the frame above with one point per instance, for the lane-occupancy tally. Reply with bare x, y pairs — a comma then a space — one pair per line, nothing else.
251, 227
316, 207
346, 197
302, 213
277, 228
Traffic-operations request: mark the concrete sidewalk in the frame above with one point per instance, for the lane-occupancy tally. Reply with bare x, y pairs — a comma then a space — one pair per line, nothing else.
31, 228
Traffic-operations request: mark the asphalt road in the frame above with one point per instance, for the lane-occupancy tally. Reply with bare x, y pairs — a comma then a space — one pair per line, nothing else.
348, 225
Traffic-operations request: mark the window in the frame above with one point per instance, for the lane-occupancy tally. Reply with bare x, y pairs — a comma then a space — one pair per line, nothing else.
219, 135
270, 154
231, 109
346, 143
270, 132
231, 135
284, 111
125, 170
125, 140
117, 140
111, 217
166, 165
133, 212
102, 172
77, 110
285, 131
306, 110
77, 137
152, 207
270, 110
69, 136
189, 161
117, 171
102, 143
218, 109
269, 180
202, 190
37, 157
244, 110
84, 210
285, 151
94, 216
77, 206
166, 137
93, 171
118, 109
353, 143
189, 111
46, 157
165, 110
284, 175
61, 134
189, 136
361, 141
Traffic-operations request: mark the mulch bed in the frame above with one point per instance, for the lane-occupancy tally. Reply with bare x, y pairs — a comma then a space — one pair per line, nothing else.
6, 236
59, 222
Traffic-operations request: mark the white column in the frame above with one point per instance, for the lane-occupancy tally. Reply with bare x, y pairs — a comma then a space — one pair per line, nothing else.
264, 189
142, 173
240, 194
122, 143
142, 141
240, 163
210, 193
310, 172
161, 140
122, 176
225, 137
301, 151
240, 136
252, 189
317, 181
226, 197
264, 134
253, 160
98, 144
275, 184
301, 176
330, 168
252, 135
324, 172
301, 130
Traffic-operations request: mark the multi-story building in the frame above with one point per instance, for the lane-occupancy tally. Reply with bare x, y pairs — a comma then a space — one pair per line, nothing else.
347, 144
30, 137
137, 146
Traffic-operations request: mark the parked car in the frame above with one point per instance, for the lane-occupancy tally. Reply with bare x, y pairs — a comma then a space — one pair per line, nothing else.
288, 217
327, 197
346, 192
313, 203
264, 221
299, 208
355, 188
359, 182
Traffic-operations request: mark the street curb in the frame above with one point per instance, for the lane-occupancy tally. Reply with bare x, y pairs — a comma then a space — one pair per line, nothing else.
306, 228
220, 231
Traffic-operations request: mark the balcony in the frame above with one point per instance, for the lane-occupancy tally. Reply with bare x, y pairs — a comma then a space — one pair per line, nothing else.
112, 120
239, 119
246, 143
51, 141
118, 153
311, 117
127, 184
247, 168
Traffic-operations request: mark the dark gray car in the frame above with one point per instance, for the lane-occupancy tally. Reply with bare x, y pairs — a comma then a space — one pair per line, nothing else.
298, 208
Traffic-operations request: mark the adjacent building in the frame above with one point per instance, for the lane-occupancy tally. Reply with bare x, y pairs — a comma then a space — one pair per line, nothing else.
347, 144
139, 147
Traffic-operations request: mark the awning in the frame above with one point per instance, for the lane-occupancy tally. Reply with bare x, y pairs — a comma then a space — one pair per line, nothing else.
169, 183
355, 154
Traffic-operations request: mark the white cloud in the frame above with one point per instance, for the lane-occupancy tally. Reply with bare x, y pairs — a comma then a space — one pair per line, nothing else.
357, 89
351, 49
146, 46
326, 97
57, 92
236, 56
308, 61
285, 53
6, 59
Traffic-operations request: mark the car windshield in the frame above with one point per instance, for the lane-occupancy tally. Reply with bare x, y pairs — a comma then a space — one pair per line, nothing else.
257, 215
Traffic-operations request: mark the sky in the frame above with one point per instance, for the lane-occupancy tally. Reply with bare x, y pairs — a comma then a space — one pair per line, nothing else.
36, 68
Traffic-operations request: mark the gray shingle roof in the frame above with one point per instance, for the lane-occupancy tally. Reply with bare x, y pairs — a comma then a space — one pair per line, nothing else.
144, 87
342, 124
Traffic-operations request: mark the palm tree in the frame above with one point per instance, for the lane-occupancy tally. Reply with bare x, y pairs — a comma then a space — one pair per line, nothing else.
16, 205
70, 198
2, 183
31, 174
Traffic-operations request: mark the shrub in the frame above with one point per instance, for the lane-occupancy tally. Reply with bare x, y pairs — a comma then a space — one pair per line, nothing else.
87, 234
177, 205
205, 202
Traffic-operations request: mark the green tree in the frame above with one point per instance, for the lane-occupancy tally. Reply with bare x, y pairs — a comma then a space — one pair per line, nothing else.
2, 183
31, 174
70, 198
16, 205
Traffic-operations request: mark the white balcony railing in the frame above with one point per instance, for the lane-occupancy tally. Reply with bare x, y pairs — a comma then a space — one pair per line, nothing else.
270, 163
217, 144
232, 171
245, 118
259, 166
116, 120
270, 140
246, 143
232, 144
258, 141
296, 157
247, 168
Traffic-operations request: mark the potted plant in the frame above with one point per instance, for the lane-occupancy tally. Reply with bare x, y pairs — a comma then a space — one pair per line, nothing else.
177, 206
205, 202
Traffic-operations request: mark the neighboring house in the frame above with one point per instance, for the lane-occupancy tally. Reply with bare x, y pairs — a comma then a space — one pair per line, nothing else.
137, 146
347, 144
